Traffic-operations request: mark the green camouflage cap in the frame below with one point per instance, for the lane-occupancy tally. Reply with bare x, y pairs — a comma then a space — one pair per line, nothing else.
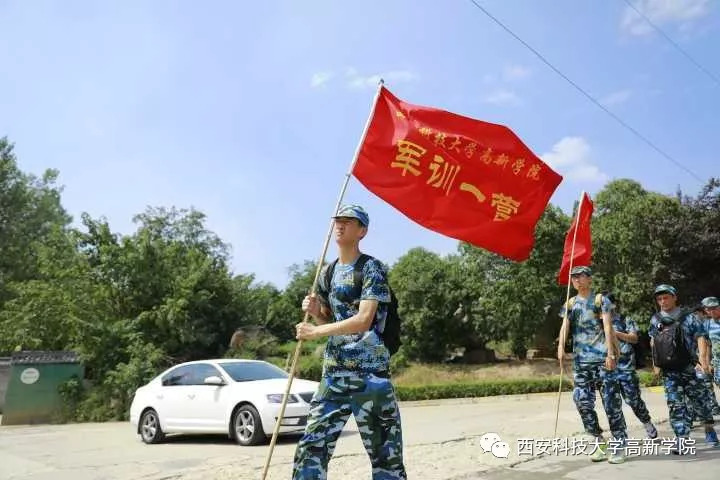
665, 288
710, 302
580, 270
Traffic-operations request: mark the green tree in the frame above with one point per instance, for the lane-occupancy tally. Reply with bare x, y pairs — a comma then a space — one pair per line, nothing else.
514, 301
692, 239
285, 311
428, 296
30, 212
631, 246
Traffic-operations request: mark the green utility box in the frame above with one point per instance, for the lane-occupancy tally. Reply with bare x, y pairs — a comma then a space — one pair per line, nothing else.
32, 393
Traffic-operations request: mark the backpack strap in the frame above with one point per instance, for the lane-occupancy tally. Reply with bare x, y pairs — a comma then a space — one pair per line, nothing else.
598, 300
358, 276
329, 272
570, 304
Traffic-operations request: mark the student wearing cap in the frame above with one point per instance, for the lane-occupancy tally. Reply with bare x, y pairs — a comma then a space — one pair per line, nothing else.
589, 321
681, 380
626, 331
706, 378
355, 378
711, 305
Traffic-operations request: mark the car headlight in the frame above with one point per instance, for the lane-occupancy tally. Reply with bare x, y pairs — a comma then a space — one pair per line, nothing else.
278, 398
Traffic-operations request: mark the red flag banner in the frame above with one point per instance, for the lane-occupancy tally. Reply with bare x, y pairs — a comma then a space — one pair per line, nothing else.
464, 178
582, 253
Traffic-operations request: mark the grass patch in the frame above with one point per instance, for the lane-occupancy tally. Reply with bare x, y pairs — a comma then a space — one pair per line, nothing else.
419, 381
432, 373
438, 381
486, 388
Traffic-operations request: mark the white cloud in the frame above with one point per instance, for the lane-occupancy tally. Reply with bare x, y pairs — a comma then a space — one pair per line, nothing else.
502, 96
515, 72
616, 98
662, 12
371, 81
571, 156
319, 79
355, 80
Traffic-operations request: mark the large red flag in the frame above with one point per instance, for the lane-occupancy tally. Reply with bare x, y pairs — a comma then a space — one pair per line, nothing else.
582, 253
468, 179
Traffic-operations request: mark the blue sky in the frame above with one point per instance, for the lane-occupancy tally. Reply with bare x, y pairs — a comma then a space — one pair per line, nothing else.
251, 111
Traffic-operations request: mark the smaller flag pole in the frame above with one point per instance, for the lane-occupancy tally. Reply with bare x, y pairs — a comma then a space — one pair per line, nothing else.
296, 355
565, 325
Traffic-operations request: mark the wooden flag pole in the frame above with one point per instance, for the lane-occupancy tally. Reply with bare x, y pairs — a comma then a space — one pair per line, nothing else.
565, 326
298, 347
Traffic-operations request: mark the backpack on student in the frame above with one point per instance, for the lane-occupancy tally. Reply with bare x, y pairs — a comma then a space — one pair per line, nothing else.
638, 347
597, 308
391, 333
597, 304
669, 349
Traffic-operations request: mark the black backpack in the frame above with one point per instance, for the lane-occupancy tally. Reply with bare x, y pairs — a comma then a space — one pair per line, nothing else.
670, 350
391, 334
641, 348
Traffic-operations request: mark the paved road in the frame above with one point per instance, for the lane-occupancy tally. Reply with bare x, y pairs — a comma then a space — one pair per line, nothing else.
443, 441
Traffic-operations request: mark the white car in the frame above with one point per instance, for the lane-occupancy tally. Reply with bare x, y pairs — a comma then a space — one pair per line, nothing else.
241, 398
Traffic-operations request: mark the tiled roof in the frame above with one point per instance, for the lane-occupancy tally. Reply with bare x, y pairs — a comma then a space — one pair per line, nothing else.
37, 356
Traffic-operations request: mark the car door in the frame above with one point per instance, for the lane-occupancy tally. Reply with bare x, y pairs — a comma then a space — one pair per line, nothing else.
174, 398
211, 401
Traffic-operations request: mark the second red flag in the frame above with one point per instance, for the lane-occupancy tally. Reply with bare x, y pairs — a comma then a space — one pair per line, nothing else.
580, 234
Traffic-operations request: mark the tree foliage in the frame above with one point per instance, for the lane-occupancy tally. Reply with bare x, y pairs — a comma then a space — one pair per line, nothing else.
134, 304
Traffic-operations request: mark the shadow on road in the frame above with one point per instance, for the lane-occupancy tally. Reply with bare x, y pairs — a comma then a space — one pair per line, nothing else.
222, 439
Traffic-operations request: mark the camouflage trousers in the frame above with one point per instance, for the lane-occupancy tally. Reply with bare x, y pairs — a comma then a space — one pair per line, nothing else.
682, 389
630, 390
708, 378
708, 397
586, 376
371, 399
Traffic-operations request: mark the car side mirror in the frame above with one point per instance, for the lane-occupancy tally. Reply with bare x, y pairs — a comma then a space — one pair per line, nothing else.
213, 380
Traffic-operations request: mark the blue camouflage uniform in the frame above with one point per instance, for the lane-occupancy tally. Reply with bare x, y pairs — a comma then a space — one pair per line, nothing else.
588, 337
706, 382
712, 328
354, 381
625, 371
680, 384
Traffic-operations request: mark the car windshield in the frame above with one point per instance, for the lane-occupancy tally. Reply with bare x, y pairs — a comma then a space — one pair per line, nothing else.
248, 371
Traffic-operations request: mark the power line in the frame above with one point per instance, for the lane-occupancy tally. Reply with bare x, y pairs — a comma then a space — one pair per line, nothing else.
674, 44
587, 95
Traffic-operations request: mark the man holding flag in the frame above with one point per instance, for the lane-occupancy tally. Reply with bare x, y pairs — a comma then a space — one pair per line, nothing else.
588, 318
356, 366
467, 179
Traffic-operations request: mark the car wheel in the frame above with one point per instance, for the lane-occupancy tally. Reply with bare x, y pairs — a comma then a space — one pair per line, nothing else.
150, 430
247, 427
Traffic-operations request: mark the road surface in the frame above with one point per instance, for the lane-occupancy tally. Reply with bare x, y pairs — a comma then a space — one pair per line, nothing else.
443, 440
